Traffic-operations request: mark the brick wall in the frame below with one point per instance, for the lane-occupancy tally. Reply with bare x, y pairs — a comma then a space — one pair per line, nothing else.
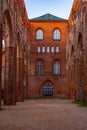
36, 83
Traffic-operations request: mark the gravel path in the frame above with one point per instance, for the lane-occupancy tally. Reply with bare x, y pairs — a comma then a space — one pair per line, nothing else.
44, 114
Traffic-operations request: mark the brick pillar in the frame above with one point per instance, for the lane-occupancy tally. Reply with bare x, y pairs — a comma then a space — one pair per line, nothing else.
25, 75
10, 79
80, 80
26, 82
22, 77
19, 89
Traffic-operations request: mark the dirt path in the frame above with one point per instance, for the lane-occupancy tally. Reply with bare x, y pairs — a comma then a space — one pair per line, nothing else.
44, 114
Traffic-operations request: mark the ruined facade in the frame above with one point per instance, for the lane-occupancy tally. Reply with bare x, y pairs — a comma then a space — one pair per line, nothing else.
77, 51
15, 40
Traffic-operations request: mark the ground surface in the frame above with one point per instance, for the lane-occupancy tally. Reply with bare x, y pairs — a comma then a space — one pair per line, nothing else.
44, 114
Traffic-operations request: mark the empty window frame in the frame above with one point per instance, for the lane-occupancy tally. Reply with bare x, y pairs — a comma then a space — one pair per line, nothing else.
3, 44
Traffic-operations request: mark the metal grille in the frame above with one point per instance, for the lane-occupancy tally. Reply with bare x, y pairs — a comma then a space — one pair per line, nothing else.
48, 89
39, 68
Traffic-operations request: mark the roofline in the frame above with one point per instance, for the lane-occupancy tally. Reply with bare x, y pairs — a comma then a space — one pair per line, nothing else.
48, 17
48, 20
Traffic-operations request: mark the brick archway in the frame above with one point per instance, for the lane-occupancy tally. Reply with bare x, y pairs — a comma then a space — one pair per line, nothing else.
80, 70
48, 89
9, 81
52, 87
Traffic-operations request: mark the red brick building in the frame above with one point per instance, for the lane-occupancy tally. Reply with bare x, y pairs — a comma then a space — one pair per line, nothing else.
48, 35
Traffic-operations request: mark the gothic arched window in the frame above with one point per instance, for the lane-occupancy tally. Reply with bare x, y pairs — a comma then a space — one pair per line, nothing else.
56, 67
3, 44
56, 34
39, 34
39, 67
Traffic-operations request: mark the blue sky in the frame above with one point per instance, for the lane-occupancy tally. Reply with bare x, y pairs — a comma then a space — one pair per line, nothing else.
60, 8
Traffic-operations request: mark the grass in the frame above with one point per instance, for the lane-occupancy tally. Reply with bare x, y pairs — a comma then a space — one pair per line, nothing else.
80, 103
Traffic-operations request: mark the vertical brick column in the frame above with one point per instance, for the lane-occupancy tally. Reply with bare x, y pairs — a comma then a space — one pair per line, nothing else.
22, 77
19, 88
25, 81
80, 80
15, 68
85, 64
10, 80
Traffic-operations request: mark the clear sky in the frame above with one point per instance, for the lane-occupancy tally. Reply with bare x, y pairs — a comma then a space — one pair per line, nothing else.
60, 8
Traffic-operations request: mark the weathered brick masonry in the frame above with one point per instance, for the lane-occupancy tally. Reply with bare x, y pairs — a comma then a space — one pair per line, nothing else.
77, 51
15, 39
37, 83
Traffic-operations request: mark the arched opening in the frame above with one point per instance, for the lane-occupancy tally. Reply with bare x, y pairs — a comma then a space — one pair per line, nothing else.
80, 70
9, 75
6, 39
7, 29
3, 68
48, 89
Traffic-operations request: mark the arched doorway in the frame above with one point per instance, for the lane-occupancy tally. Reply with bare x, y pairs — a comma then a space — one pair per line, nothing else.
3, 68
48, 89
9, 72
80, 69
